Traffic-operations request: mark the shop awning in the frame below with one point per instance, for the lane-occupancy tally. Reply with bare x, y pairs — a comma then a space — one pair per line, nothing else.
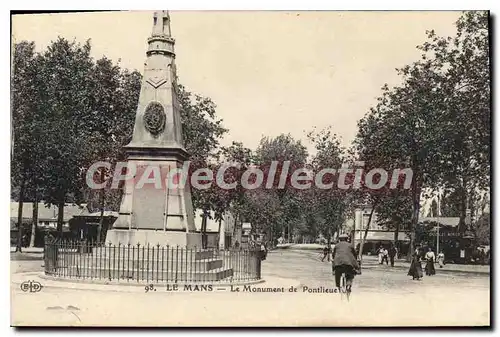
380, 236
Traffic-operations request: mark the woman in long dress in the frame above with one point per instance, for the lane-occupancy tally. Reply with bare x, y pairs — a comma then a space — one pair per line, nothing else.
429, 266
380, 253
415, 267
440, 259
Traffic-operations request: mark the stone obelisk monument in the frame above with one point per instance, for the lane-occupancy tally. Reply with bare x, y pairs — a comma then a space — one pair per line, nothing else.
152, 213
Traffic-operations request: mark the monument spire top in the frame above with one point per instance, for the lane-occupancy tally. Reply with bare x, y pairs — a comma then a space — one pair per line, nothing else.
161, 24
161, 41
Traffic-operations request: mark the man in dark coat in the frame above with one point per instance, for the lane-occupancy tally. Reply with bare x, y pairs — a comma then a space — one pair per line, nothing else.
344, 261
392, 254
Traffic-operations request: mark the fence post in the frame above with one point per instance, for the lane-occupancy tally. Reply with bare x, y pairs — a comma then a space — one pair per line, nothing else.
118, 270
162, 258
176, 262
128, 262
148, 265
142, 267
259, 265
157, 260
109, 261
195, 262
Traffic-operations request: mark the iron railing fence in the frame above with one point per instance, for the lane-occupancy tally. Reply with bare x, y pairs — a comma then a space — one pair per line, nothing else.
150, 263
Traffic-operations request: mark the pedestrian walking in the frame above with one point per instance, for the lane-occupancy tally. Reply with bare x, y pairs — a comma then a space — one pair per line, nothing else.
416, 268
440, 259
385, 256
380, 254
482, 257
429, 266
326, 254
392, 254
263, 251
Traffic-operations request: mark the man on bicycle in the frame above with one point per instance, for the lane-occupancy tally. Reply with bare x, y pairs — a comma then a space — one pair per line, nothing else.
344, 261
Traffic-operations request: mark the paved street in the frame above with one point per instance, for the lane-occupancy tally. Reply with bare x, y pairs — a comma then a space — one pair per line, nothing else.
381, 297
306, 267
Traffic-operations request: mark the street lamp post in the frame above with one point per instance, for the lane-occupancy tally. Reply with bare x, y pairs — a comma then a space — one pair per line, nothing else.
438, 215
437, 238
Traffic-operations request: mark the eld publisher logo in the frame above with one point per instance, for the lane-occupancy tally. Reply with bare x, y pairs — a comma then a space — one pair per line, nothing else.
31, 286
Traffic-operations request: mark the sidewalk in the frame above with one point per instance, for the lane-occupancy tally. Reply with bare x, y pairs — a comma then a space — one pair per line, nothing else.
68, 307
82, 304
302, 246
372, 262
401, 264
26, 255
38, 250
137, 287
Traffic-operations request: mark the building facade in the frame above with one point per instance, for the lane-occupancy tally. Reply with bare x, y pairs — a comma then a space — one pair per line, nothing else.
377, 234
47, 219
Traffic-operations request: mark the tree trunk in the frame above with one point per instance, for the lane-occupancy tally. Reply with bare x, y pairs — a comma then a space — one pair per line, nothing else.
396, 234
218, 232
463, 209
329, 239
20, 218
102, 204
34, 226
204, 229
360, 257
60, 218
235, 230
414, 217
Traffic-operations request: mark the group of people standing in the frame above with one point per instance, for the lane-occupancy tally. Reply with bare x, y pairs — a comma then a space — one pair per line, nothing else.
418, 256
430, 258
385, 254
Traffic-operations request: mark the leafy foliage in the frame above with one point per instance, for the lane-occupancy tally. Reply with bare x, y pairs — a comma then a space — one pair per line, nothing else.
437, 122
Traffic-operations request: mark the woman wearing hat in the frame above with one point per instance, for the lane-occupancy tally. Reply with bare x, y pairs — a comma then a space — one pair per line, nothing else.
416, 268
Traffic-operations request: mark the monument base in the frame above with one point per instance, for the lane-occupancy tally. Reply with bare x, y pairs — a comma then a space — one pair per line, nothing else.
152, 237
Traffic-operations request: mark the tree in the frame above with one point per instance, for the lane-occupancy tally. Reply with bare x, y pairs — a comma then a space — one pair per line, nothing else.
482, 229
465, 119
437, 121
65, 69
450, 203
26, 131
283, 148
235, 199
434, 208
331, 205
202, 131
377, 147
114, 94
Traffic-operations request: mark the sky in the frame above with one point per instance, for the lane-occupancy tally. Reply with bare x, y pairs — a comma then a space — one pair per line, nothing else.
268, 72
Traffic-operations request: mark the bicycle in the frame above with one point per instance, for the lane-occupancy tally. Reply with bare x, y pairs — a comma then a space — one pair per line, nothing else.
344, 291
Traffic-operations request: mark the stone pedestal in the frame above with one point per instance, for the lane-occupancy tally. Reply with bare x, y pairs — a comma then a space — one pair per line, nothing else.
152, 211
153, 237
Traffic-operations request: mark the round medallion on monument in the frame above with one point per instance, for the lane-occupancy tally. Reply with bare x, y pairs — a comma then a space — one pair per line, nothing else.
154, 118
